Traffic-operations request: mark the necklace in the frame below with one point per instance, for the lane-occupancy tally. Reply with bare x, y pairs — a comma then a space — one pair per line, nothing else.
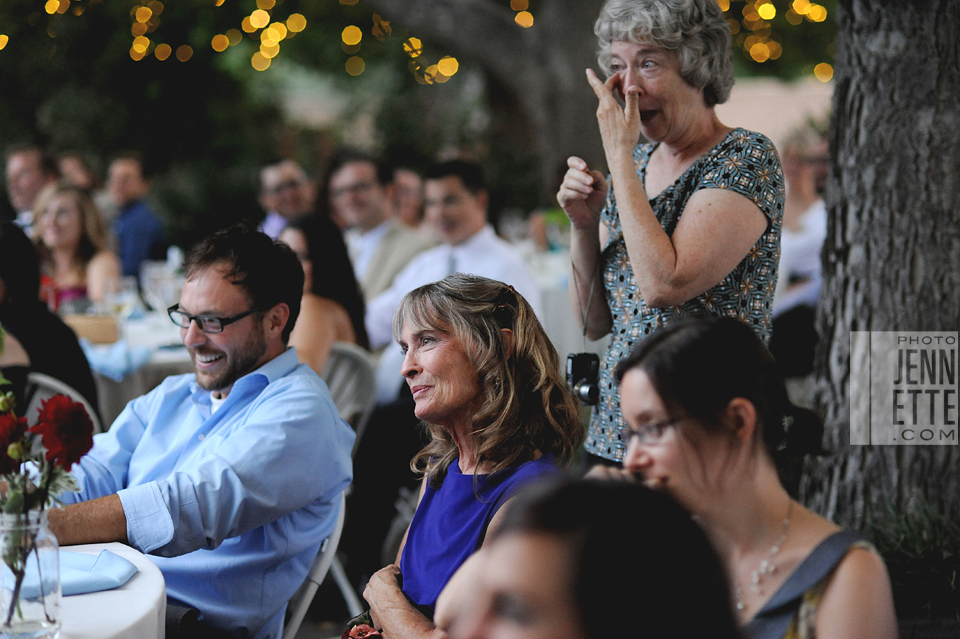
767, 566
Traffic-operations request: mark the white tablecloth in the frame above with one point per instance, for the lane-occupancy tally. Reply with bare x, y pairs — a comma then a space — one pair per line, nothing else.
135, 610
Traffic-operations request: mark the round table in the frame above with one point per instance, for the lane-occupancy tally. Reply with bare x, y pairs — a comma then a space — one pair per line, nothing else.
136, 610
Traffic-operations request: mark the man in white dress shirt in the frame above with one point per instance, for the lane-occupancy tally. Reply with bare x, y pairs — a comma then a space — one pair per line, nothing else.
455, 209
361, 189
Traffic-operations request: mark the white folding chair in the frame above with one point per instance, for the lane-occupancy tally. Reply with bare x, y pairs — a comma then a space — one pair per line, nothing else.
318, 571
40, 387
352, 379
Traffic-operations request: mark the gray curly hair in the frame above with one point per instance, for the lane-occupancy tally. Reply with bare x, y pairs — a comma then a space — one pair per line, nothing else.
694, 29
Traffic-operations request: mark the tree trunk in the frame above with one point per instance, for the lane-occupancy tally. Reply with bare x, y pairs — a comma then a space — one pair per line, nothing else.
892, 255
542, 66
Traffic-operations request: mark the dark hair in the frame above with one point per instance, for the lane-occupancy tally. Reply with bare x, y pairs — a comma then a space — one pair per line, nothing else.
655, 570
470, 173
268, 271
333, 275
19, 265
133, 156
526, 405
344, 157
698, 365
48, 163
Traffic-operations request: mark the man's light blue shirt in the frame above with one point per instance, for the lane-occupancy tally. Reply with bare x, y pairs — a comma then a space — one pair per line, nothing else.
232, 506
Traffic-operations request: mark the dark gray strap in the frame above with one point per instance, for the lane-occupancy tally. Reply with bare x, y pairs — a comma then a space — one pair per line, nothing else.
773, 620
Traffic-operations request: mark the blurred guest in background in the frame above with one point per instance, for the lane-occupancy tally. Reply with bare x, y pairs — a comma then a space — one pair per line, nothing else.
694, 223
29, 169
50, 344
557, 569
285, 193
794, 336
77, 168
360, 188
140, 235
72, 242
332, 307
408, 197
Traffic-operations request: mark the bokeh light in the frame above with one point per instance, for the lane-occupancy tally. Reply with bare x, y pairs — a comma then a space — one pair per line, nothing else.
247, 26
448, 66
767, 11
266, 4
138, 29
163, 51
140, 44
351, 35
143, 14
519, 5
823, 72
817, 13
156, 6
220, 43
234, 37
259, 18
724, 5
355, 65
524, 19
412, 47
184, 52
281, 30
136, 55
51, 6
269, 49
296, 23
259, 62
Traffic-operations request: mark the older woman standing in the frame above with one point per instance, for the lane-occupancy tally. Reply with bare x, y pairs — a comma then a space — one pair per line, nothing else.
486, 382
694, 225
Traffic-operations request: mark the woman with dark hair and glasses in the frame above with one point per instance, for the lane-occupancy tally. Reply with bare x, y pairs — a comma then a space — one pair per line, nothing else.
557, 569
487, 385
709, 423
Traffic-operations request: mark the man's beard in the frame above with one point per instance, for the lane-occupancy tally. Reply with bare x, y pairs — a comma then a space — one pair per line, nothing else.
241, 363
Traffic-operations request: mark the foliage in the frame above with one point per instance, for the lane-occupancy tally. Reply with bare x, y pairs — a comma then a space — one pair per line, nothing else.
921, 548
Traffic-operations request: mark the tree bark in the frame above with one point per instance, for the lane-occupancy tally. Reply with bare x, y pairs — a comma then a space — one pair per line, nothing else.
892, 255
542, 66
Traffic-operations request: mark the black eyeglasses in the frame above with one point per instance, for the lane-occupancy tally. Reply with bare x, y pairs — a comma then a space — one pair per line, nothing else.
207, 323
649, 433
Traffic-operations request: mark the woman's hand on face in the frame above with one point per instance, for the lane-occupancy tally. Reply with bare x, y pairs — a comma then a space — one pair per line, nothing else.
582, 194
619, 126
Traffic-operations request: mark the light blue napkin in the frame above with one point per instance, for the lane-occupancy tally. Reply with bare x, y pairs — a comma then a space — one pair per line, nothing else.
116, 360
82, 573
79, 574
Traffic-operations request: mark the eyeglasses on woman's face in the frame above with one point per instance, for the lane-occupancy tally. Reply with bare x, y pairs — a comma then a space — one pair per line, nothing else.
207, 323
650, 433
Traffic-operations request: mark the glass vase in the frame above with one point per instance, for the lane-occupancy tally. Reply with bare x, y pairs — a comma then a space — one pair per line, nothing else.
29, 577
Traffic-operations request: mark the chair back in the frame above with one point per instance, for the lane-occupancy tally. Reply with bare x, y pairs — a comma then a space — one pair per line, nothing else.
41, 387
328, 552
352, 379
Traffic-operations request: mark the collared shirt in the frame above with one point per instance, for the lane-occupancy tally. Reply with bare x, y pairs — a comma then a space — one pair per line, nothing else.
483, 254
273, 224
233, 505
362, 246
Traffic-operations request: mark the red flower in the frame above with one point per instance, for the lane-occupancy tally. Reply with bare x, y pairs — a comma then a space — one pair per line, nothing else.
66, 430
12, 429
361, 631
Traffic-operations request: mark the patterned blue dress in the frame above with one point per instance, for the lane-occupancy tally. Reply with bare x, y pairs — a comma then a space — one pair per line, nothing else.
744, 162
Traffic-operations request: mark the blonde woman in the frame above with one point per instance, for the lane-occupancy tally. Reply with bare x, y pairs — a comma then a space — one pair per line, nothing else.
72, 242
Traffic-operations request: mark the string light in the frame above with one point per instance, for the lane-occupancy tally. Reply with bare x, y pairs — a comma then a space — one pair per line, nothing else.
412, 47
4, 39
355, 65
519, 5
163, 51
351, 35
220, 43
448, 66
184, 52
823, 72
296, 23
524, 19
259, 18
259, 62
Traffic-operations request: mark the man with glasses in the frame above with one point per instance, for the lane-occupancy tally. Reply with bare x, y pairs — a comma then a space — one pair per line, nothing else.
285, 193
229, 478
361, 189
